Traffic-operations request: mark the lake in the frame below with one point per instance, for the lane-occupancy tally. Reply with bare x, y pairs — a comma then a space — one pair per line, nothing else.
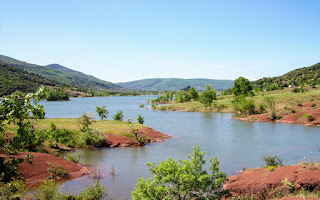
236, 144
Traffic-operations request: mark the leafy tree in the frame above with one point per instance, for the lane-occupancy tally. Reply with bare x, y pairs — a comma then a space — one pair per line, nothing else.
118, 116
140, 119
244, 106
242, 86
102, 112
16, 110
179, 97
184, 179
56, 95
83, 122
192, 93
207, 97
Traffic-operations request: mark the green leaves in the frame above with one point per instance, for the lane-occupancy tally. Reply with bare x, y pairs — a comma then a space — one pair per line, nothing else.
183, 179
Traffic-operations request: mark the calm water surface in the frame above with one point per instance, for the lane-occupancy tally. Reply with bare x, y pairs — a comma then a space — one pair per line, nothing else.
236, 143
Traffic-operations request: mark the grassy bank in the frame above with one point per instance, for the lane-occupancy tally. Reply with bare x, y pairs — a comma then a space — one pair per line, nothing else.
282, 98
104, 126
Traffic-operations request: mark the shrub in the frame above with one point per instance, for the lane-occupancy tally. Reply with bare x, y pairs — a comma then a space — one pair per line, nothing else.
56, 95
62, 136
93, 137
184, 179
84, 121
162, 108
141, 139
272, 160
141, 105
118, 116
140, 119
102, 112
262, 108
48, 190
95, 192
57, 172
13, 190
153, 106
74, 156
244, 106
310, 118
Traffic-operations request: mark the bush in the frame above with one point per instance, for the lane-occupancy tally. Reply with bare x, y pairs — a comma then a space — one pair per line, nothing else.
56, 95
93, 137
140, 119
95, 192
262, 108
310, 118
141, 106
74, 156
244, 106
271, 160
84, 121
57, 172
118, 116
62, 136
48, 190
102, 112
184, 179
162, 108
13, 190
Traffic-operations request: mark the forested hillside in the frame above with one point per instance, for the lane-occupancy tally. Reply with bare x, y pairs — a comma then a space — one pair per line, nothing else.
62, 74
14, 78
174, 84
309, 75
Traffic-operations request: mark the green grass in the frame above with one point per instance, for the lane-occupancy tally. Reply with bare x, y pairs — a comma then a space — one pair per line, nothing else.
283, 98
104, 126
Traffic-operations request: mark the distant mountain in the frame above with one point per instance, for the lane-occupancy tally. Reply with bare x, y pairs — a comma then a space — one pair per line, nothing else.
14, 78
308, 75
174, 84
62, 74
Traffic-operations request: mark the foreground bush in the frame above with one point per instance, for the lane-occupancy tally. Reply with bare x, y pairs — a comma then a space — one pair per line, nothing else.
184, 179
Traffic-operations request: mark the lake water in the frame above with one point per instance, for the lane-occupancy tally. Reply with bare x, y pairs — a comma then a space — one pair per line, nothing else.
236, 144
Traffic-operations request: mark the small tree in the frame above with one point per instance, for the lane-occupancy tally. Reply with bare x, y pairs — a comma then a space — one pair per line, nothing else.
184, 179
242, 86
179, 97
193, 94
140, 119
118, 116
207, 97
16, 109
84, 121
102, 112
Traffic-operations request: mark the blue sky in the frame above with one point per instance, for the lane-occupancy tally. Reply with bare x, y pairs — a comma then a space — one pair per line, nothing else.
130, 40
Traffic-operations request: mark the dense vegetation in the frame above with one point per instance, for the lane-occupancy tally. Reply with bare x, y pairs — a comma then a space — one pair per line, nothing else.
185, 179
61, 74
306, 75
15, 79
175, 84
56, 95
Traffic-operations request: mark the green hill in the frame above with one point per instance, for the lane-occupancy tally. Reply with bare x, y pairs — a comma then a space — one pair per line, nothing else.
14, 78
297, 77
62, 74
174, 84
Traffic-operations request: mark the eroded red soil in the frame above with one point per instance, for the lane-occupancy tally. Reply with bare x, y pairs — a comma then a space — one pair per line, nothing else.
308, 113
37, 172
113, 140
257, 181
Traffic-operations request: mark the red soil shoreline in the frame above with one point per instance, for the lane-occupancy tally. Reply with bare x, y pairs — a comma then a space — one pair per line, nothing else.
308, 113
113, 140
37, 172
257, 181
